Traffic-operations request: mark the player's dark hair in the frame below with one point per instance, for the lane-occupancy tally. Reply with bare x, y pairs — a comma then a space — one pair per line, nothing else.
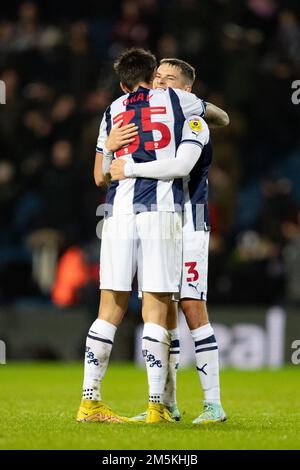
134, 66
186, 69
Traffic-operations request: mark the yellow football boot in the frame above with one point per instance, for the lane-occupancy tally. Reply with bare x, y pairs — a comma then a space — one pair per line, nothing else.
96, 411
158, 413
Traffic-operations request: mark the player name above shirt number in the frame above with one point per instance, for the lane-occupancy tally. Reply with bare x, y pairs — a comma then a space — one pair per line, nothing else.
135, 98
151, 459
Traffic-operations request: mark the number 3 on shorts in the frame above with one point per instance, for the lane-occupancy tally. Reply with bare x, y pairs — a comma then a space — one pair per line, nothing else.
191, 265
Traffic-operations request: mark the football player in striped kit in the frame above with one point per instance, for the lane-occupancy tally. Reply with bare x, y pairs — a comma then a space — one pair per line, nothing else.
142, 230
193, 292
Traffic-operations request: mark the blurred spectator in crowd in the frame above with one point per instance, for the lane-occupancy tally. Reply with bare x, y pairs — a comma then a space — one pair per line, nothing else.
291, 256
60, 188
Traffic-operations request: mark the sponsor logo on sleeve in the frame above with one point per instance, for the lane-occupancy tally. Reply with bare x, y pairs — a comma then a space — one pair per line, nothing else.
195, 124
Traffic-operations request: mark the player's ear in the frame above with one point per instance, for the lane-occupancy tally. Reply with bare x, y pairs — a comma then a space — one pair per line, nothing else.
124, 88
188, 88
153, 76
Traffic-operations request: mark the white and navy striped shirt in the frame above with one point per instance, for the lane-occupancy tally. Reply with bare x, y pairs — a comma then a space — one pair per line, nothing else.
195, 185
160, 115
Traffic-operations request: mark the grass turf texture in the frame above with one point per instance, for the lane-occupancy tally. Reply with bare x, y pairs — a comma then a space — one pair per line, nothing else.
39, 402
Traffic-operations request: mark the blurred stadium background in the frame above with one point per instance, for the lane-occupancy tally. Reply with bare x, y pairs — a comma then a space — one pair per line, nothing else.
56, 61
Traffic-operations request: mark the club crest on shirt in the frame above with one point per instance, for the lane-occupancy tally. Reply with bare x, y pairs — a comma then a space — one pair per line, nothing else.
195, 124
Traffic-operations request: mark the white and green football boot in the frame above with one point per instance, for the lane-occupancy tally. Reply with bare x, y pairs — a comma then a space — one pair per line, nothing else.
173, 409
175, 413
212, 413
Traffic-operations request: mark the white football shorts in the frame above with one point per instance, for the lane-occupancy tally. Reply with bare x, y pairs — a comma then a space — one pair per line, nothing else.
149, 243
194, 264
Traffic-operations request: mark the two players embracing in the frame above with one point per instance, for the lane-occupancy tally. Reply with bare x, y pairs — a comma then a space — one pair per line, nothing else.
156, 146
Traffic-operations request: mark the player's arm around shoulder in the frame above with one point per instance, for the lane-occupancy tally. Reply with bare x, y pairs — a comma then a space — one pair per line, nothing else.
99, 176
216, 117
195, 136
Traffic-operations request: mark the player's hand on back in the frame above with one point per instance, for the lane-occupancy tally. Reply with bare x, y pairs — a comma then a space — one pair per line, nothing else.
117, 169
120, 136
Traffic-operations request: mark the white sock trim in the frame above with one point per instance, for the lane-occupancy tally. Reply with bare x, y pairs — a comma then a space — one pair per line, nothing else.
202, 332
104, 328
157, 332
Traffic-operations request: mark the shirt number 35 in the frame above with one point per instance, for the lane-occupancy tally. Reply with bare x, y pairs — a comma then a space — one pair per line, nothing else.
147, 125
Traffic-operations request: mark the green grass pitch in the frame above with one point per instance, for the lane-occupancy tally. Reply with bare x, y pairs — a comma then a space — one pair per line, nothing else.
39, 401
